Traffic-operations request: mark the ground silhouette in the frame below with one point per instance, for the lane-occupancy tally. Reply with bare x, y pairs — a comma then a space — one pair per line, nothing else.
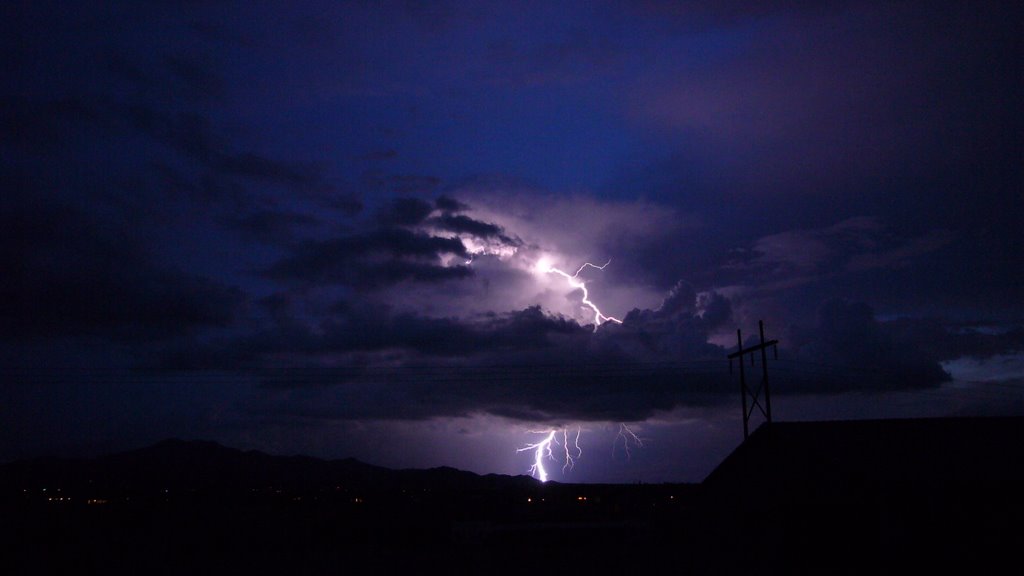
879, 497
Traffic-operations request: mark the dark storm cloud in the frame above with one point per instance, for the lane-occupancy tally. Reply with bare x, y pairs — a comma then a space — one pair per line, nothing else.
803, 251
193, 135
946, 340
460, 223
346, 203
699, 15
380, 155
213, 172
35, 123
66, 274
237, 191
258, 167
535, 366
399, 184
847, 109
715, 310
169, 92
182, 76
400, 243
196, 74
371, 259
855, 258
358, 329
206, 190
524, 364
273, 227
405, 212
450, 205
850, 349
577, 56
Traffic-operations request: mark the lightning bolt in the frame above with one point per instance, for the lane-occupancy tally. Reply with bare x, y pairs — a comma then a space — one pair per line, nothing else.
544, 450
570, 461
576, 283
628, 437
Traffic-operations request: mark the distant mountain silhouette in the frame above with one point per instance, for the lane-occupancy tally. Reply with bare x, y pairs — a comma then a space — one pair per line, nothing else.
851, 497
196, 507
198, 465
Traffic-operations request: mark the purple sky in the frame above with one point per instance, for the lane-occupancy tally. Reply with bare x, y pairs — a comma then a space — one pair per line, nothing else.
329, 228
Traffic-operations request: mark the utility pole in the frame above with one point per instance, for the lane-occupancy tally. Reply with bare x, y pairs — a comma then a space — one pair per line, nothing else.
766, 408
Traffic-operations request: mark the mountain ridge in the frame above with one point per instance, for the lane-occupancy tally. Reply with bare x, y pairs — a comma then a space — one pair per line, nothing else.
204, 465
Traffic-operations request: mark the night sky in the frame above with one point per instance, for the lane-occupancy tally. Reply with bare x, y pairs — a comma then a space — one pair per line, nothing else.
331, 228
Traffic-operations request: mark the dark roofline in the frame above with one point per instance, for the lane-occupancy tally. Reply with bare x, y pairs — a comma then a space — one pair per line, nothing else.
991, 442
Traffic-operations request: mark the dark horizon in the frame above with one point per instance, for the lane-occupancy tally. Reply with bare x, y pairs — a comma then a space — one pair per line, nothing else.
880, 497
758, 427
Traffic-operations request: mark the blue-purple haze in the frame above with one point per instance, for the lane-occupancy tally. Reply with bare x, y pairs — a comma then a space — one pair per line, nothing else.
323, 227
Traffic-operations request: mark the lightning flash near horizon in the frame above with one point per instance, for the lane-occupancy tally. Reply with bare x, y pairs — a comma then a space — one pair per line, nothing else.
628, 437
543, 450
